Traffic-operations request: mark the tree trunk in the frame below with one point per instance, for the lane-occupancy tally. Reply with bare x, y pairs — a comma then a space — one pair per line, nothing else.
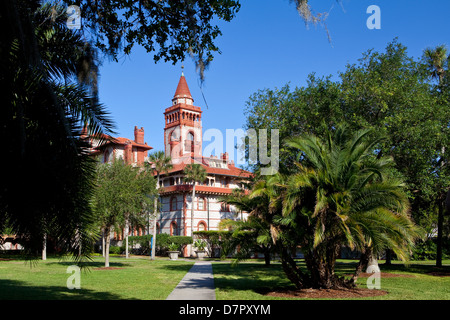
154, 229
154, 222
192, 213
192, 210
388, 257
126, 239
372, 265
439, 235
107, 242
267, 257
290, 268
44, 248
103, 242
362, 264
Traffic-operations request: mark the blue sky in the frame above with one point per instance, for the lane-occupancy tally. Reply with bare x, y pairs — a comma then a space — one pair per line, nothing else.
266, 46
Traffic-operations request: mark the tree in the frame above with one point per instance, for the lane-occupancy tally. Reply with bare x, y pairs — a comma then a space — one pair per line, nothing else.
49, 76
194, 173
388, 92
45, 106
436, 62
253, 234
169, 29
160, 163
342, 194
121, 196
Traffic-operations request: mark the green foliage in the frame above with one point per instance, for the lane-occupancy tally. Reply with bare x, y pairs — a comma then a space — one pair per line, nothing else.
194, 172
200, 245
122, 194
169, 29
424, 250
164, 240
143, 242
215, 240
341, 194
173, 247
116, 250
389, 92
44, 108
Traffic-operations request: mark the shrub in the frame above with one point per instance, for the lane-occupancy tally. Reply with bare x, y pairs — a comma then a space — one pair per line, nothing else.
215, 240
115, 250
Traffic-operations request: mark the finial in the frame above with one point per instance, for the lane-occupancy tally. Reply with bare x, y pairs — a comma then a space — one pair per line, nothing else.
182, 68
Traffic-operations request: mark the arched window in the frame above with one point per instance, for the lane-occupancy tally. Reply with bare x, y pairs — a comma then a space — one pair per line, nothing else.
173, 203
173, 229
190, 141
201, 226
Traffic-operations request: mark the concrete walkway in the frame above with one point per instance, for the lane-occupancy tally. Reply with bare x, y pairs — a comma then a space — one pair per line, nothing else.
197, 284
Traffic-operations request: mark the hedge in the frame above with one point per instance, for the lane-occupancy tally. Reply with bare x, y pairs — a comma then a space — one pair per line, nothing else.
215, 240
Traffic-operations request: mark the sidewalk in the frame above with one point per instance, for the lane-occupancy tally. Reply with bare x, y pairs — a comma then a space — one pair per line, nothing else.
197, 284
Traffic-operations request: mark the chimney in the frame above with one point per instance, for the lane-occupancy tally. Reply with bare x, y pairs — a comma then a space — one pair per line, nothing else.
225, 156
139, 135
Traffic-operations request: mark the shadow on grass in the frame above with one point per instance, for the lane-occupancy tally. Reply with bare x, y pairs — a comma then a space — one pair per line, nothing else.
249, 276
19, 290
91, 264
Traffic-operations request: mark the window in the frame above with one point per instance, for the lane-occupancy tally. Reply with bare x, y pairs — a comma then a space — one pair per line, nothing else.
173, 229
189, 143
201, 203
173, 203
201, 226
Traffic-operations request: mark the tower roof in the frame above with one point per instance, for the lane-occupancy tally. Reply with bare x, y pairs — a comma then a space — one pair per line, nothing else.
182, 89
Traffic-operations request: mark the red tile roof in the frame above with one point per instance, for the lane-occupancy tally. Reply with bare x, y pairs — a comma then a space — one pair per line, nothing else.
198, 189
230, 171
182, 89
124, 141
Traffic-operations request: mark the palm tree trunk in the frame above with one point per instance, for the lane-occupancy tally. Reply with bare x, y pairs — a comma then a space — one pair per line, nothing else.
44, 248
439, 235
103, 242
192, 210
192, 213
126, 238
154, 221
154, 229
107, 242
363, 262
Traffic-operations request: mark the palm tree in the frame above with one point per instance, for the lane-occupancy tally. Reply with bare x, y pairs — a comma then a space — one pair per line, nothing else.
160, 163
194, 172
341, 195
252, 234
436, 60
45, 106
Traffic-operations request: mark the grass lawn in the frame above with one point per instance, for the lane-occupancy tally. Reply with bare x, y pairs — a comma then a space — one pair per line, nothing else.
247, 279
140, 278
134, 278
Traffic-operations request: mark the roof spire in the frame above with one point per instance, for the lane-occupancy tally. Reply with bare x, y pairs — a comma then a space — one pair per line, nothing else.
182, 91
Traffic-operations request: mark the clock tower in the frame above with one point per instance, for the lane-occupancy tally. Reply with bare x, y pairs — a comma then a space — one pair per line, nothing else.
183, 126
